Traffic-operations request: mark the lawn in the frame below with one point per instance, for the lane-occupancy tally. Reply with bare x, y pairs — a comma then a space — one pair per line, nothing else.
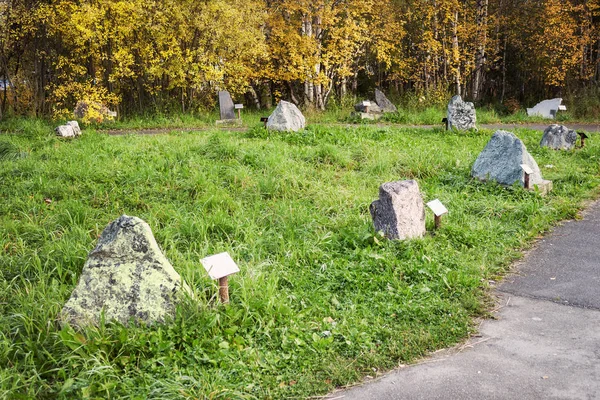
321, 300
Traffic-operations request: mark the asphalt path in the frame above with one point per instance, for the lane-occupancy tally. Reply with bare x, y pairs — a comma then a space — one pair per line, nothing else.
543, 344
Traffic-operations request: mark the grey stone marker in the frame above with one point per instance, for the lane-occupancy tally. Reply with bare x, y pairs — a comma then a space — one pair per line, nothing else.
65, 131
546, 108
226, 105
75, 126
559, 137
125, 277
286, 117
399, 213
461, 115
384, 103
501, 161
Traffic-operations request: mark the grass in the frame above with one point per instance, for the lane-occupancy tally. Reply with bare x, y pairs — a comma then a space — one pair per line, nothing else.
321, 299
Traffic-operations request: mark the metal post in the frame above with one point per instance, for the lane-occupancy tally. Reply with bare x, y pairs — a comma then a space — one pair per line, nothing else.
526, 181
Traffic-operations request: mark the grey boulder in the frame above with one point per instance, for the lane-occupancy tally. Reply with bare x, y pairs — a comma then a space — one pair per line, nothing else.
461, 114
286, 117
501, 161
559, 137
399, 213
126, 277
75, 127
384, 103
66, 131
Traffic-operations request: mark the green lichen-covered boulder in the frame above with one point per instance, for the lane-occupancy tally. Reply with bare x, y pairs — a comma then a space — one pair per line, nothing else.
126, 277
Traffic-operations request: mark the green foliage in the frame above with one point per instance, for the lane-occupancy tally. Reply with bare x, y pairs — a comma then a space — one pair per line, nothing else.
321, 299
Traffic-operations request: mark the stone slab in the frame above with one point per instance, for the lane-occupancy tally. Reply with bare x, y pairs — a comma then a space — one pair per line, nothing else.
226, 106
546, 108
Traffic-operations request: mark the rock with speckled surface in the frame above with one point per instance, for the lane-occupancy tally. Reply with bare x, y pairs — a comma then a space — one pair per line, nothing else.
399, 213
501, 161
559, 137
286, 117
461, 114
126, 277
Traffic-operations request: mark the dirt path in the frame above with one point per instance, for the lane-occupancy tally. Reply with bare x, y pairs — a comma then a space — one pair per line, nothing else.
588, 127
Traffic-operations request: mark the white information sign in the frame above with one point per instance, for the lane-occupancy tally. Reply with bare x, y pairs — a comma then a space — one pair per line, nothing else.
527, 169
437, 207
219, 265
238, 106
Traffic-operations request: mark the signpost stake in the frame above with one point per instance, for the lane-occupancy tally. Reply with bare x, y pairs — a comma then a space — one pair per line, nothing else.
438, 210
224, 290
526, 171
219, 267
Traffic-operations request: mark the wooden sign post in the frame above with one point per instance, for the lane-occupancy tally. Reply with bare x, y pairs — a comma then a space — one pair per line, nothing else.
527, 171
583, 136
239, 107
438, 210
366, 104
220, 266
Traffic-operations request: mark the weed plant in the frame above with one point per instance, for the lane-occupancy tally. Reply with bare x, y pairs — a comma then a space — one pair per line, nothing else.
321, 300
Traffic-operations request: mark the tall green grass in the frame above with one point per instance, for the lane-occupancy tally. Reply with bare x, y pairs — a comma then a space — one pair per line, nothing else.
321, 300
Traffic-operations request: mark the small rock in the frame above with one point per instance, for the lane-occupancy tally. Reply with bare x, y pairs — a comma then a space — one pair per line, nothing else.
75, 126
286, 117
461, 114
399, 212
125, 277
65, 131
559, 137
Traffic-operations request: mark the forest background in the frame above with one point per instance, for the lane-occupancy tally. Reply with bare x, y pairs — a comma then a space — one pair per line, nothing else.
141, 56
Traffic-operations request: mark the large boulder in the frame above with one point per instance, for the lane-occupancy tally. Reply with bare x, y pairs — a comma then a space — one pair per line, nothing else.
559, 137
126, 277
399, 213
461, 115
92, 111
546, 108
384, 103
286, 117
501, 161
